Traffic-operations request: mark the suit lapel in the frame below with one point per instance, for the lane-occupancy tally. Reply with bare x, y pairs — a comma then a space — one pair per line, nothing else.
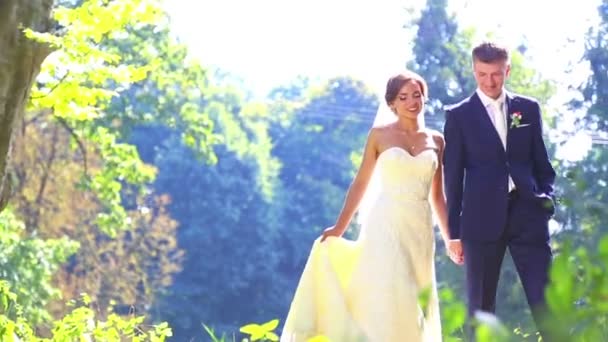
510, 110
484, 118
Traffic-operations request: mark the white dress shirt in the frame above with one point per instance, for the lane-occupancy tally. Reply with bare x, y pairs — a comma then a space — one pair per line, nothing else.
497, 110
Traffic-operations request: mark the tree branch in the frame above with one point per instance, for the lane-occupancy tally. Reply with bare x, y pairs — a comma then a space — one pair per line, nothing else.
81, 146
53, 88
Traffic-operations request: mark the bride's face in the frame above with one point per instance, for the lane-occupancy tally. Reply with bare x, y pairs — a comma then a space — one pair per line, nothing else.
409, 101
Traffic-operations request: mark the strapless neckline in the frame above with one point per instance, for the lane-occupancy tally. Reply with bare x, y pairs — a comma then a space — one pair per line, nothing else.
406, 152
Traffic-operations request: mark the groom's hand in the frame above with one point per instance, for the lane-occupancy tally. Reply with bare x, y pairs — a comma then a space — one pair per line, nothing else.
455, 252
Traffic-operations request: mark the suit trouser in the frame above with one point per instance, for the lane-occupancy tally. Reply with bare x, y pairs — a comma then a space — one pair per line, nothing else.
526, 236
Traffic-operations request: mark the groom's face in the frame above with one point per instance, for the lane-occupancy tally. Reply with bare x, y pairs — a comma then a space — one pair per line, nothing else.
491, 76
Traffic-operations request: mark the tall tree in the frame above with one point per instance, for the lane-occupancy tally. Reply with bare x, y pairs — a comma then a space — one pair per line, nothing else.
441, 56
578, 292
227, 226
130, 269
584, 182
20, 61
71, 166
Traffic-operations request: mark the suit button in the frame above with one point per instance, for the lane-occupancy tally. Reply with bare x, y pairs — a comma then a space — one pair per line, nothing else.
507, 164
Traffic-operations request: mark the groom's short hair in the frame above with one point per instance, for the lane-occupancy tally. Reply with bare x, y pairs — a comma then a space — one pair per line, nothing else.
489, 52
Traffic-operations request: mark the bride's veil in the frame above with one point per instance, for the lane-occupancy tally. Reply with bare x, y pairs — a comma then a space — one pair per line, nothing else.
384, 116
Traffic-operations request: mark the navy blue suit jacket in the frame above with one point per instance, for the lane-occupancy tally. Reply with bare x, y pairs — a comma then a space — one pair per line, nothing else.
476, 167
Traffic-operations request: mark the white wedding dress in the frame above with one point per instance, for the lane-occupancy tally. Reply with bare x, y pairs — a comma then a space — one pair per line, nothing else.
370, 289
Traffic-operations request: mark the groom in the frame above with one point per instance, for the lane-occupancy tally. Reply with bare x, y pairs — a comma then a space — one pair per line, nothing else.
499, 185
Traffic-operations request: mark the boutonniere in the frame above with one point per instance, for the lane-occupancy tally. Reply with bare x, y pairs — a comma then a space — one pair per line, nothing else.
515, 120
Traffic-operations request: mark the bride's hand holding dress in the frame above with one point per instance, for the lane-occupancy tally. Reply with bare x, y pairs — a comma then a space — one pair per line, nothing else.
331, 231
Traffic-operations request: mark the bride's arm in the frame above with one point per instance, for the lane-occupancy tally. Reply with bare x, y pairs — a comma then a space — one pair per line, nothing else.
437, 193
358, 186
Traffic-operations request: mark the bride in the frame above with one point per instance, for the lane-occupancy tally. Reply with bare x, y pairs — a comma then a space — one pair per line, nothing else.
382, 286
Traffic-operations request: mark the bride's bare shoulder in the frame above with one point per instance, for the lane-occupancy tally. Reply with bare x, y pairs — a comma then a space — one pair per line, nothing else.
382, 129
434, 133
379, 130
377, 135
437, 137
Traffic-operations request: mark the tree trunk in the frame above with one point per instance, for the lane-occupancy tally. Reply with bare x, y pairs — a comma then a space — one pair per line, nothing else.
20, 60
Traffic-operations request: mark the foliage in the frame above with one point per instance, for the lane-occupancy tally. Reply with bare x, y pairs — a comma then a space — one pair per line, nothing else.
453, 315
130, 268
594, 93
79, 325
225, 218
28, 265
114, 67
578, 293
236, 209
442, 56
72, 175
259, 332
177, 93
316, 141
584, 183
129, 271
576, 300
77, 82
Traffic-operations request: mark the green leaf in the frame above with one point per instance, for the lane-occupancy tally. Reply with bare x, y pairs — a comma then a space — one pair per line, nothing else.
270, 325
272, 336
251, 329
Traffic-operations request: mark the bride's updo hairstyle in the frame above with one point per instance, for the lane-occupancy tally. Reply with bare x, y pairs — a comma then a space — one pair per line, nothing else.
396, 82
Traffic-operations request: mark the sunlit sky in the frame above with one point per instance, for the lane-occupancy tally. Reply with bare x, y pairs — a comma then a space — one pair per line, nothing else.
270, 42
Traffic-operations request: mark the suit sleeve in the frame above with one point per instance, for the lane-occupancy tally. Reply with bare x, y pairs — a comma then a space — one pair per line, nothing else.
453, 166
543, 170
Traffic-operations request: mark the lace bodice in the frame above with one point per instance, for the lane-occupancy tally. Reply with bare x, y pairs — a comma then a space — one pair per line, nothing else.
405, 176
